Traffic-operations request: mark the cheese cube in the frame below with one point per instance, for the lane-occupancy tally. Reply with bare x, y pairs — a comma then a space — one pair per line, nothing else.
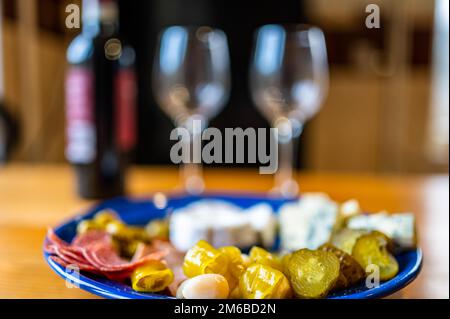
399, 227
308, 222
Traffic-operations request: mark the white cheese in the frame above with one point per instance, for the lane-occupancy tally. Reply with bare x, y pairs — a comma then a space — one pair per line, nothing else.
308, 222
221, 224
264, 221
350, 208
399, 227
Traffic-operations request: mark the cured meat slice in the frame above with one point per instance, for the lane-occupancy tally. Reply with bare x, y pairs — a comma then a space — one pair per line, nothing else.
49, 248
61, 252
142, 250
178, 278
102, 257
94, 252
118, 275
92, 237
65, 263
54, 239
69, 256
106, 259
72, 257
174, 260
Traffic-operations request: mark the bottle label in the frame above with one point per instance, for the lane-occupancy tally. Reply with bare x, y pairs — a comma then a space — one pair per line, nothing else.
80, 117
126, 110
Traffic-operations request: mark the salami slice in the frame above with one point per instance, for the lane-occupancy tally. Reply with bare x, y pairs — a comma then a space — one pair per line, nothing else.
94, 252
92, 237
82, 267
54, 239
142, 250
49, 248
71, 256
106, 259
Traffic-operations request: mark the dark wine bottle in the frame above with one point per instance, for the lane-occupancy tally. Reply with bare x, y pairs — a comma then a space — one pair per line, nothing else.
8, 125
100, 102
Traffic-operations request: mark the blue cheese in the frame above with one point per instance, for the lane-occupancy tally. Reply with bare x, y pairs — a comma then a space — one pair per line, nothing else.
308, 222
399, 227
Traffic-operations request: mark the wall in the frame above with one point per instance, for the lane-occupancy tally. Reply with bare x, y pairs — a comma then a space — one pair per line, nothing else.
370, 122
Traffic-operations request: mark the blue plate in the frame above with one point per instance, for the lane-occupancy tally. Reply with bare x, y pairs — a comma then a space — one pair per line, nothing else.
140, 211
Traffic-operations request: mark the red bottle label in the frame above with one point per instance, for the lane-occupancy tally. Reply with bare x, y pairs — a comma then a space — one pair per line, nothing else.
126, 109
80, 126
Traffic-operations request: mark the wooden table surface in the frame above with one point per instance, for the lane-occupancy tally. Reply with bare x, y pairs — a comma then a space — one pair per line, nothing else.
33, 197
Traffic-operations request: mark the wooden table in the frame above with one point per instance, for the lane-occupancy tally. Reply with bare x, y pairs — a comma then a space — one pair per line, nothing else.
33, 197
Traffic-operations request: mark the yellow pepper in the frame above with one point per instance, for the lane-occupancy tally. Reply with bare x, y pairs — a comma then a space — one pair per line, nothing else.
235, 265
205, 259
264, 282
99, 222
263, 257
154, 276
103, 217
87, 225
285, 261
125, 232
158, 228
235, 293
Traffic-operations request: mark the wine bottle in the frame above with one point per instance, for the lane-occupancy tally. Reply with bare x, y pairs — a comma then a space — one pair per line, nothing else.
100, 102
3, 126
8, 125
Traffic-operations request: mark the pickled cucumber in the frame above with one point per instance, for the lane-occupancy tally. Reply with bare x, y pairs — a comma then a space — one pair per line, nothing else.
351, 271
313, 273
345, 239
373, 249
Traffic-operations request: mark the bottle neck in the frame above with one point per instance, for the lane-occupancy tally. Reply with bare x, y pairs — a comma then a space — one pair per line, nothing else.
1, 55
109, 16
100, 15
91, 14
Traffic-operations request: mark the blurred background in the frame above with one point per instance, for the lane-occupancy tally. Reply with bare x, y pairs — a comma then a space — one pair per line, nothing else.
386, 112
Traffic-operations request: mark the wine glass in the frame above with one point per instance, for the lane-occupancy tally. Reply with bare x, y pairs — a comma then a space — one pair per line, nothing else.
191, 83
288, 81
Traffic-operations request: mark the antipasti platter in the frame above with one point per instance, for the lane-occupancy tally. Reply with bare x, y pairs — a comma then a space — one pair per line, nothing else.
220, 246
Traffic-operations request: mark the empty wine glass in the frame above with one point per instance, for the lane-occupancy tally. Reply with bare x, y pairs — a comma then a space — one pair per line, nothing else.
288, 80
191, 83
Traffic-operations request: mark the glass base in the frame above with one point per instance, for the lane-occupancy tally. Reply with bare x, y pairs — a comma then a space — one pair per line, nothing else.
288, 189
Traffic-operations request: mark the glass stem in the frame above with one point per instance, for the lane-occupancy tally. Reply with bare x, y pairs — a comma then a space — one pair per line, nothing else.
192, 178
285, 184
191, 172
285, 163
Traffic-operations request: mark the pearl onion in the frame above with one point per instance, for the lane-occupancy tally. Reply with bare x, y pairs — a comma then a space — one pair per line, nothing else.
208, 286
